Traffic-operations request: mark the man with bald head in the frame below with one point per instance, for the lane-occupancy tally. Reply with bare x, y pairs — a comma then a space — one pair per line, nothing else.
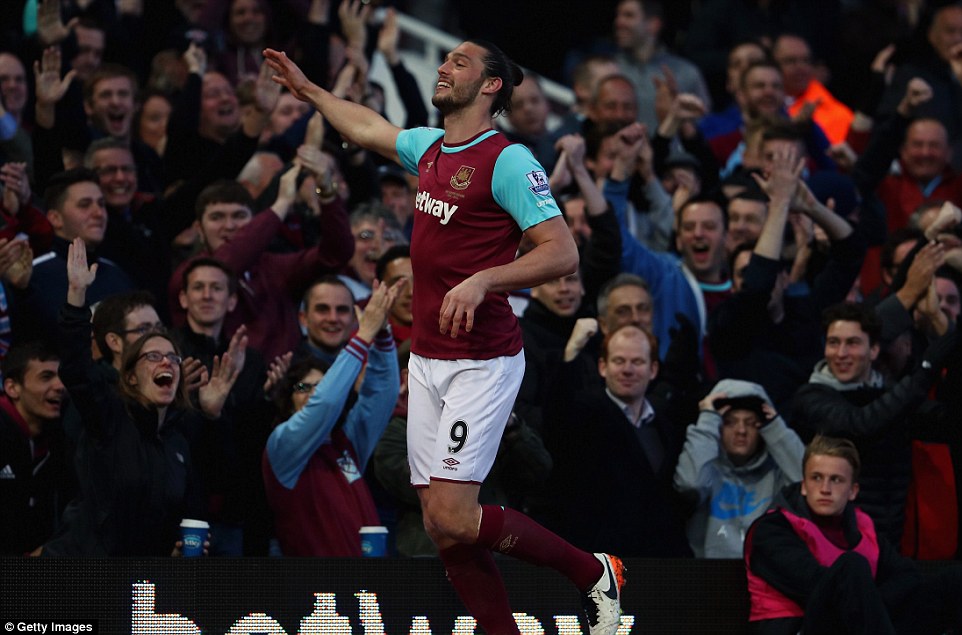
940, 69
613, 103
613, 433
923, 147
925, 158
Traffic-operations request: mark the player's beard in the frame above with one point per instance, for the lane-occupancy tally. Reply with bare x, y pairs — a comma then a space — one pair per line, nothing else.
459, 97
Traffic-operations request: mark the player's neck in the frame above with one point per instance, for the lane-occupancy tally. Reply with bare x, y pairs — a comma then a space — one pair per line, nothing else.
465, 124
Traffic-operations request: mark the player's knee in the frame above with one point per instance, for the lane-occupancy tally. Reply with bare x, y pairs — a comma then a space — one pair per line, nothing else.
445, 525
433, 532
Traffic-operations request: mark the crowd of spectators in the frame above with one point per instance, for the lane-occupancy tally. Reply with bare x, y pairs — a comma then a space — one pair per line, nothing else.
770, 243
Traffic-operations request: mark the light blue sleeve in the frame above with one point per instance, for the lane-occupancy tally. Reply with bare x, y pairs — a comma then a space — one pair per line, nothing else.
292, 443
375, 403
412, 144
520, 185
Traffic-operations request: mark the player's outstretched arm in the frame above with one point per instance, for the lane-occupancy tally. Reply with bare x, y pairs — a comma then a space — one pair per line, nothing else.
355, 122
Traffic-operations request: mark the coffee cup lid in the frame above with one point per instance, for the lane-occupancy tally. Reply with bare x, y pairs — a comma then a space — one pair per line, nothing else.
370, 529
190, 523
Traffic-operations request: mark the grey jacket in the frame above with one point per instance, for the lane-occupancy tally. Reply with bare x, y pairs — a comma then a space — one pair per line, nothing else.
728, 497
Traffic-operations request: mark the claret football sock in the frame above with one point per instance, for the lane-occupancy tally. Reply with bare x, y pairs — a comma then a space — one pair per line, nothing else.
512, 533
477, 580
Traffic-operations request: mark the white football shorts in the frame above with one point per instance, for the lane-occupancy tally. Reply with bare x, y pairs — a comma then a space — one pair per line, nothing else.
457, 411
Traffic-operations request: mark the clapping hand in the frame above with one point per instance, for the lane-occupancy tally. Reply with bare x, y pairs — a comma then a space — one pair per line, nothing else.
277, 370
16, 261
213, 394
374, 316
16, 186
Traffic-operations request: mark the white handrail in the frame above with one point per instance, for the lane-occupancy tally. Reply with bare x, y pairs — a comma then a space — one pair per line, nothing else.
440, 42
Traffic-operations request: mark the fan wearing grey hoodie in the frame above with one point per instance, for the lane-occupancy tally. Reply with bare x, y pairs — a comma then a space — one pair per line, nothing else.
737, 456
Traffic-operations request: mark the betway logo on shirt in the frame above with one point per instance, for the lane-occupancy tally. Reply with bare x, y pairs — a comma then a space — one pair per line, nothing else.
434, 207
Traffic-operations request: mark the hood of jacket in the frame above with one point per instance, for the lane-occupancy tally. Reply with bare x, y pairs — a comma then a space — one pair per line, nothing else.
822, 375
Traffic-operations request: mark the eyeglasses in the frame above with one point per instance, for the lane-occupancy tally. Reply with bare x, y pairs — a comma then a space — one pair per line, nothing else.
144, 329
388, 235
303, 386
107, 170
155, 357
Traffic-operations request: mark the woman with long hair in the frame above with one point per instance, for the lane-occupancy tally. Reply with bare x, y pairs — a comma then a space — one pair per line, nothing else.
136, 477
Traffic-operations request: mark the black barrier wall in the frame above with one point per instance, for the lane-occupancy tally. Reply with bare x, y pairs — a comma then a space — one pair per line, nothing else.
345, 596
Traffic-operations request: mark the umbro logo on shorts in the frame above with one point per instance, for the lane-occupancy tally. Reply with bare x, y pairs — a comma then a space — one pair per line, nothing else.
451, 462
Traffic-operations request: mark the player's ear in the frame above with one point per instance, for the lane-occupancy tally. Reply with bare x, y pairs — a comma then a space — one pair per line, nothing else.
492, 85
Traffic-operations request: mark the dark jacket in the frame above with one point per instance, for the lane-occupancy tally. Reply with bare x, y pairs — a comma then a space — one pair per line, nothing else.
136, 479
36, 481
878, 420
545, 336
748, 345
230, 466
189, 154
34, 310
607, 497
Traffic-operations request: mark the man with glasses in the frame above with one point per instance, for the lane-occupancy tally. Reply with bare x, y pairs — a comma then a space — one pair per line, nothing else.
375, 230
794, 56
132, 239
142, 226
119, 320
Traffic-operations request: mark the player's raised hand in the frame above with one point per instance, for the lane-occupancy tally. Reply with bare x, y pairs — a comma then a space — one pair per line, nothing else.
288, 74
